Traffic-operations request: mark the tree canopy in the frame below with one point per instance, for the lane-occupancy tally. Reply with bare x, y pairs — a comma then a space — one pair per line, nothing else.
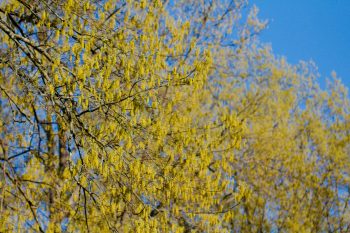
163, 116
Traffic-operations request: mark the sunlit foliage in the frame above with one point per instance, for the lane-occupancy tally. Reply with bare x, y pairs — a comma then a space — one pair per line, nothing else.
163, 116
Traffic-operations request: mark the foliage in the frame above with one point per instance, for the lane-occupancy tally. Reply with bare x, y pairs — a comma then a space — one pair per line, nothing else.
163, 116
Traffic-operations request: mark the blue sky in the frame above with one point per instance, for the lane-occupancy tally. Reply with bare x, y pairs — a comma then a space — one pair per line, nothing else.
317, 30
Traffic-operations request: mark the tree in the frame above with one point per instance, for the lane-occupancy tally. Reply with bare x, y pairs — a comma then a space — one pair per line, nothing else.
163, 116
295, 157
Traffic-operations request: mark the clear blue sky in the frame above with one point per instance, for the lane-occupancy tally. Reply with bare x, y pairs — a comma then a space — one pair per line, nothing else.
317, 30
